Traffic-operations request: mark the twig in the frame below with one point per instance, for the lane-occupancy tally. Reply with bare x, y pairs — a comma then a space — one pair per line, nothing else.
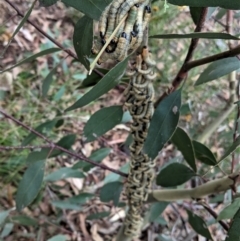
73, 55
53, 145
180, 216
182, 74
222, 223
212, 126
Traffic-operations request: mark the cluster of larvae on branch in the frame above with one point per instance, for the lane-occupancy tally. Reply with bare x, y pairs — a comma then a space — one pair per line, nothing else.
129, 36
139, 101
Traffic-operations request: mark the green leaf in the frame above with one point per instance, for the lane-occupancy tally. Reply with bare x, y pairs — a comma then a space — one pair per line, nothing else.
233, 232
92, 79
179, 174
24, 19
48, 81
44, 127
110, 80
99, 215
102, 121
184, 144
207, 35
218, 69
163, 237
229, 211
58, 237
156, 210
203, 154
63, 173
89, 7
96, 156
207, 3
198, 224
33, 57
3, 216
24, 220
6, 230
47, 3
80, 199
66, 142
83, 39
111, 191
163, 124
196, 12
66, 205
231, 149
30, 184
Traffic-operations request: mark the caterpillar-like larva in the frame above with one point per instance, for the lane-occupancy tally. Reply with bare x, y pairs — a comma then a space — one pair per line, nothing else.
129, 35
139, 101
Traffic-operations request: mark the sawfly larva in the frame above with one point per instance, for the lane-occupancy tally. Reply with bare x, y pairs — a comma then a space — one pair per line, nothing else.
103, 22
125, 7
147, 16
120, 52
147, 57
131, 19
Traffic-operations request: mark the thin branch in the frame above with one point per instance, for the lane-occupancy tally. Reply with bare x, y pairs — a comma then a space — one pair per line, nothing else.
68, 51
182, 74
212, 126
211, 187
229, 53
208, 208
53, 145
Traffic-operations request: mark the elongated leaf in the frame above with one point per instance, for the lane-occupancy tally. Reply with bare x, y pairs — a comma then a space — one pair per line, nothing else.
63, 173
233, 232
199, 225
196, 12
231, 149
163, 124
66, 142
6, 230
207, 35
80, 199
30, 184
92, 8
47, 3
207, 3
24, 220
203, 154
3, 216
111, 191
82, 39
58, 237
184, 144
33, 57
44, 127
97, 215
66, 205
218, 69
174, 174
92, 79
48, 81
229, 211
163, 237
110, 80
96, 156
156, 210
102, 121
25, 18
